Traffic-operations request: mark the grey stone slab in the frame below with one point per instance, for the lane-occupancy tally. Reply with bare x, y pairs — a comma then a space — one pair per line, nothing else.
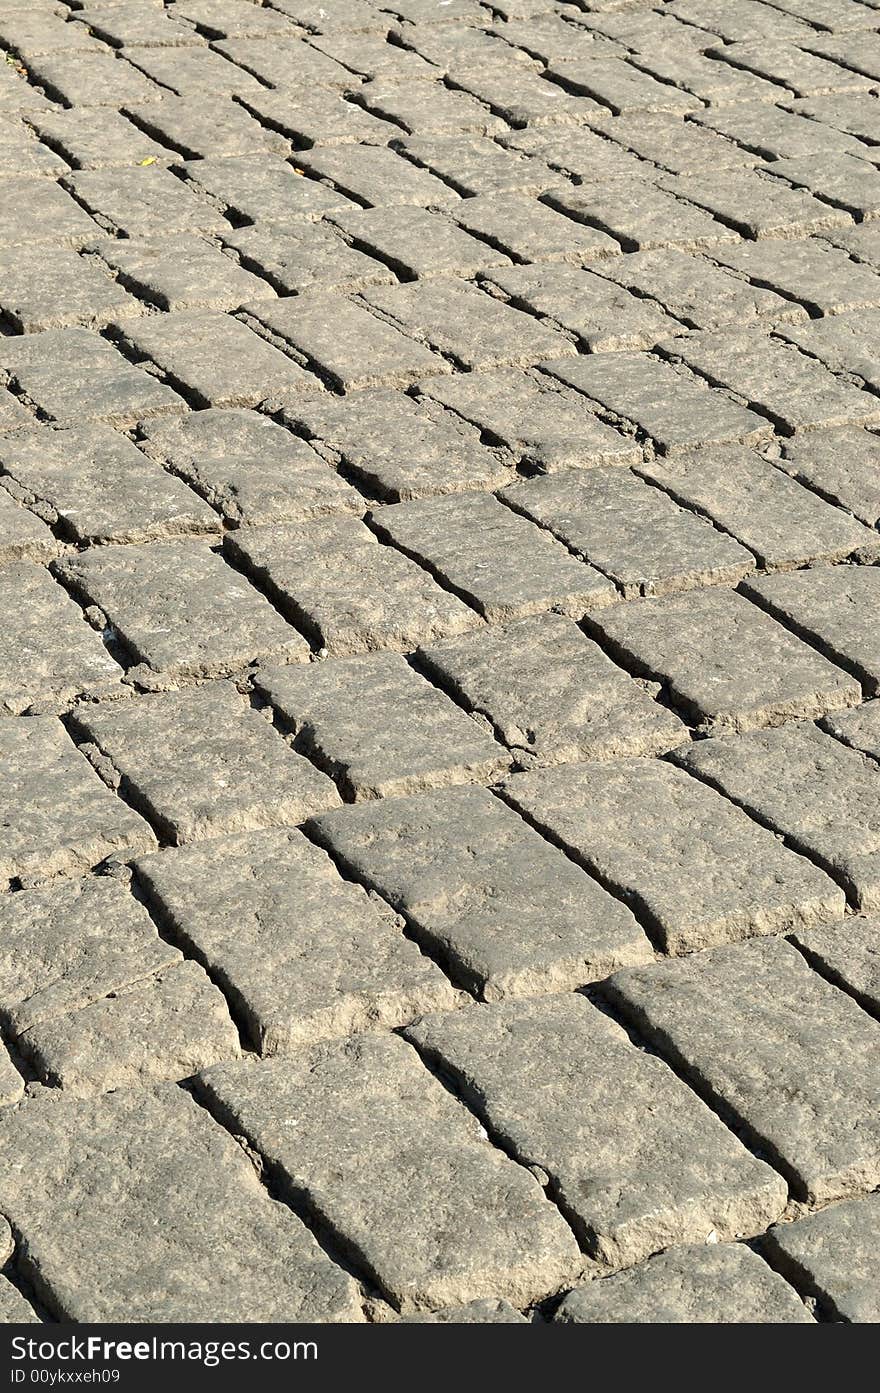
180, 611
318, 116
72, 375
794, 390
345, 590
49, 657
379, 728
303, 954
93, 485
217, 360
650, 217
578, 153
292, 64
835, 609
499, 562
369, 56
848, 954
181, 272
780, 1051
603, 317
334, 16
861, 52
52, 288
476, 165
546, 425
550, 38
23, 536
192, 72
859, 729
634, 1161
59, 818
756, 205
344, 343
434, 110
716, 84
522, 97
695, 867
425, 11
632, 533
398, 448
834, 15
467, 325
14, 415
853, 112
483, 1312
263, 189
306, 256
803, 73
416, 244
220, 19
22, 154
821, 796
745, 22
841, 466
503, 933
499, 1235
775, 134
98, 139
846, 182
726, 664
833, 1256
377, 176
206, 126
699, 293
133, 26
530, 231
31, 35
190, 1193
11, 1081
93, 79
677, 411
143, 201
709, 1284
248, 467
14, 1309
679, 146
824, 279
621, 86
847, 343
783, 524
38, 210
551, 693
203, 764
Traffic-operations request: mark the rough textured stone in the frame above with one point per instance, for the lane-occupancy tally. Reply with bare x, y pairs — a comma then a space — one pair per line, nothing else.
38, 210
501, 932
679, 146
14, 1309
93, 79
824, 279
91, 138
11, 1081
432, 111
132, 26
202, 763
654, 219
483, 1312
263, 189
633, 1159
304, 256
848, 183
723, 1284
317, 117
860, 728
833, 1257
288, 65
602, 316
853, 112
620, 86
376, 177
787, 1056
181, 273
805, 74
700, 294
206, 126
189, 1193
499, 1236
848, 344
143, 202
834, 609
848, 954
55, 288
347, 592
23, 537
716, 84
370, 57
417, 244
578, 153
220, 19
530, 231
755, 205
523, 97
193, 72
474, 165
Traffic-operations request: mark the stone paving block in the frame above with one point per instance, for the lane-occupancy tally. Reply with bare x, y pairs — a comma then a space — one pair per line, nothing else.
716, 84
578, 153
744, 22
499, 1236
714, 1284
679, 146
22, 154
665, 843
72, 375
11, 1081
483, 1312
834, 609
38, 210
465, 324
848, 954
97, 139
190, 1193
306, 256
785, 1055
32, 35
848, 183
756, 205
499, 562
699, 293
434, 110
192, 72
377, 177
784, 524
345, 344
206, 125
143, 202
369, 56
803, 73
549, 38
291, 65
59, 819
678, 412
853, 112
833, 15
475, 165
93, 485
14, 414
131, 26
821, 796
842, 467
833, 1256
220, 19
652, 219
848, 343
49, 657
216, 360
603, 317
303, 954
417, 244
52, 288
824, 279
14, 1309
631, 532
794, 390
551, 693
248, 467
860, 728
775, 134
317, 117
399, 448
530, 231
546, 425
345, 590
179, 610
93, 79
632, 1158
621, 86
419, 11
263, 189
203, 764
523, 98
727, 665
861, 52
334, 16
181, 272
23, 536
421, 740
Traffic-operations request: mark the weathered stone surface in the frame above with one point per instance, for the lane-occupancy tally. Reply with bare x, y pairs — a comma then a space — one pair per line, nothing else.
620, 86
33, 35
847, 182
11, 1081
848, 954
14, 1309
858, 51
55, 288
474, 165
503, 932
189, 1193
602, 316
431, 111
379, 728
376, 177
834, 609
754, 205
716, 84
22, 153
860, 728
523, 97
552, 693
23, 537
134, 26
417, 244
202, 763
192, 72
634, 1161
57, 816
91, 138
287, 65
785, 1055
304, 256
39, 210
775, 134
823, 797
833, 1256
499, 1236
220, 19
578, 153
263, 189
653, 219
317, 116
805, 74
143, 202
530, 231
678, 146
181, 272
664, 842
724, 1284
632, 533
853, 112
248, 467
824, 279
92, 79
370, 57
347, 592
206, 126
483, 1312
699, 293
95, 486
500, 563
847, 343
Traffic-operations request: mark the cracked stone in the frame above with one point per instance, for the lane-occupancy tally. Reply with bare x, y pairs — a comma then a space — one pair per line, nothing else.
841, 467
34, 35
431, 111
530, 231
97, 139
482, 1312
853, 112
678, 146
716, 84
262, 189
416, 243
317, 117
220, 19
376, 177
181, 272
699, 293
56, 288
522, 97
847, 954
602, 316
578, 153
143, 202
858, 51
23, 537
307, 256
619, 85
775, 134
22, 154
859, 729
370, 56
193, 72
805, 74
93, 79
39, 210
130, 26
833, 1255
476, 165
14, 1309
755, 205
847, 343
744, 22
834, 609
849, 183
291, 66
648, 217
824, 279
206, 125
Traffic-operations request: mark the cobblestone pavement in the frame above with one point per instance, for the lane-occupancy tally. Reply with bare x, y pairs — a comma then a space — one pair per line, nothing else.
440, 676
